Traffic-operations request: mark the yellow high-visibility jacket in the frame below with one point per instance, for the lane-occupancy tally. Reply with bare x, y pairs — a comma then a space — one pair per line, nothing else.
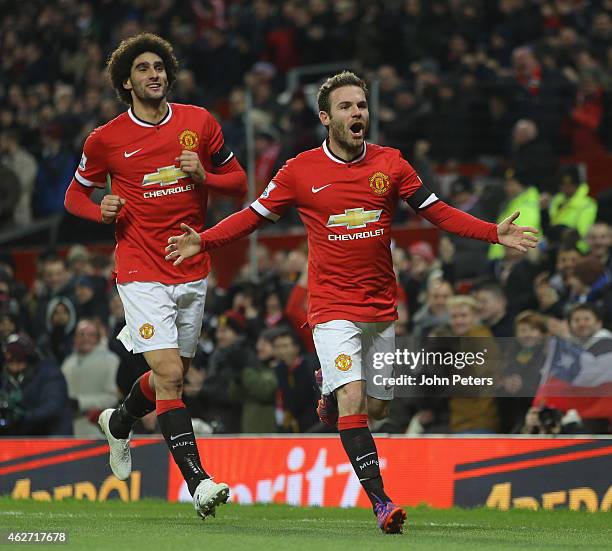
528, 203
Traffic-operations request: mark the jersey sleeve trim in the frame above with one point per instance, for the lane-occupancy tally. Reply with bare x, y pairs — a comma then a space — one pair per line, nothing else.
87, 182
263, 211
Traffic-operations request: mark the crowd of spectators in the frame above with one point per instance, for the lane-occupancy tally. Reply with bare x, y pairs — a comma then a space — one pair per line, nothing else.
514, 85
455, 77
255, 362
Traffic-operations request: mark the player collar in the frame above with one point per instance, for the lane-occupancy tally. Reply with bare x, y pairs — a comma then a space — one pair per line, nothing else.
140, 122
337, 159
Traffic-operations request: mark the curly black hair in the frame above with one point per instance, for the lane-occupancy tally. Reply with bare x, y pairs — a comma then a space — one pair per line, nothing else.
120, 61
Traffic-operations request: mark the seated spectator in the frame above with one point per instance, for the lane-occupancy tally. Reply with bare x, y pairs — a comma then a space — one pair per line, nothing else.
9, 324
599, 241
470, 414
9, 299
587, 115
434, 312
493, 308
56, 280
33, 395
55, 171
469, 254
56, 341
532, 156
79, 260
522, 196
549, 302
24, 165
521, 375
572, 207
90, 373
90, 295
221, 407
422, 266
273, 314
567, 258
592, 283
585, 343
296, 382
516, 272
18, 290
257, 389
245, 302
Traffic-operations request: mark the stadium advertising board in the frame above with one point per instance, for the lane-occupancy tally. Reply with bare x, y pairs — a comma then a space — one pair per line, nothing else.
500, 472
58, 469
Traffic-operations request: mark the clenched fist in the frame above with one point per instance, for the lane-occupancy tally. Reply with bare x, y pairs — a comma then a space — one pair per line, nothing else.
189, 162
111, 206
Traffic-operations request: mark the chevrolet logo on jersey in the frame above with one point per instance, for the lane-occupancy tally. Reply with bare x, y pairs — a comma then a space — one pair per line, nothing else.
354, 218
164, 176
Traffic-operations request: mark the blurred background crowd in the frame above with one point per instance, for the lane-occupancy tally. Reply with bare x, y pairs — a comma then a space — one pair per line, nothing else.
520, 89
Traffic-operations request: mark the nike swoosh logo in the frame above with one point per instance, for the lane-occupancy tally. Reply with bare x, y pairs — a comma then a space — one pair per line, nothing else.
316, 190
128, 155
178, 436
360, 458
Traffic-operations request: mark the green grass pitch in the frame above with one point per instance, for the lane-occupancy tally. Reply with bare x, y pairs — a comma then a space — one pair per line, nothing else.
153, 525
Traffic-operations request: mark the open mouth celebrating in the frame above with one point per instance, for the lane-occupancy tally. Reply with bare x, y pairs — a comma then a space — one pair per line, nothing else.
357, 130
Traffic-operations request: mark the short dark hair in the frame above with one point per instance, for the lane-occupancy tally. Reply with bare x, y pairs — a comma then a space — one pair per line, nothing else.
585, 307
120, 61
569, 247
345, 78
283, 331
54, 258
492, 287
570, 174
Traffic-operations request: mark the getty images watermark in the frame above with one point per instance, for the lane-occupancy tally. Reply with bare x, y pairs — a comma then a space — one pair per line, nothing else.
424, 359
454, 367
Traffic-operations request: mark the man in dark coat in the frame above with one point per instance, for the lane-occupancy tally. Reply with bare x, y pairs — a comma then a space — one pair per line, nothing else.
33, 393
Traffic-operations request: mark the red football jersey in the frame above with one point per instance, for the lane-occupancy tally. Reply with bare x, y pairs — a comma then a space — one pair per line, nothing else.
347, 208
141, 160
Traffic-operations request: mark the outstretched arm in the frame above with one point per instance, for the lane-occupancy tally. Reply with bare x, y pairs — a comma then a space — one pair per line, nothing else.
453, 220
227, 231
456, 221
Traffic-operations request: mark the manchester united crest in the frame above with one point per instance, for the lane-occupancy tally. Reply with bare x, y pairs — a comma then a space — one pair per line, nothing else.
343, 362
379, 183
147, 331
188, 139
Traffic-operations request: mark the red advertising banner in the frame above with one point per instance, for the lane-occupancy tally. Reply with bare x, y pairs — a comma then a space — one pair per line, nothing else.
502, 472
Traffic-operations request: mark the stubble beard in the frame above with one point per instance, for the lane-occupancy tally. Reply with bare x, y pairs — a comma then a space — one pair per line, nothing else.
342, 137
141, 92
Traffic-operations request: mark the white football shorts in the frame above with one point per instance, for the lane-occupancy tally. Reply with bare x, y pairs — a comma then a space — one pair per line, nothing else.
346, 349
161, 316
